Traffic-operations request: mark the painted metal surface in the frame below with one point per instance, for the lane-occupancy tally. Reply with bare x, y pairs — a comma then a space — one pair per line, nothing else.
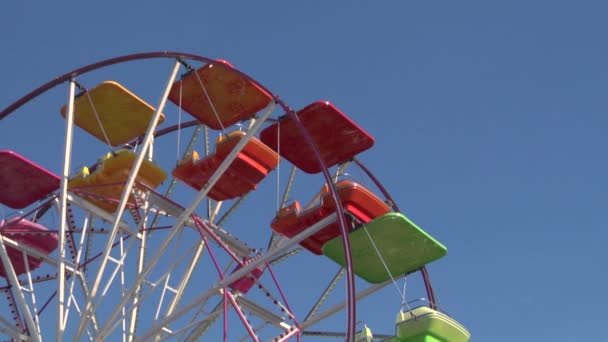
104, 186
360, 204
249, 168
426, 324
387, 247
22, 182
244, 284
30, 234
111, 110
337, 137
218, 96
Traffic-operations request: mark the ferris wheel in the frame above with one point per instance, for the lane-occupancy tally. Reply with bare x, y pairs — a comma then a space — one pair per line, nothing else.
169, 196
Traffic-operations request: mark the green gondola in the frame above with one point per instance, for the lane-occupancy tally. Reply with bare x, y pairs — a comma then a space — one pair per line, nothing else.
424, 324
402, 245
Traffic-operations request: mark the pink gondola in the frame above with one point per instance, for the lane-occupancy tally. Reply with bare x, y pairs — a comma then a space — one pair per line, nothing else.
22, 182
30, 234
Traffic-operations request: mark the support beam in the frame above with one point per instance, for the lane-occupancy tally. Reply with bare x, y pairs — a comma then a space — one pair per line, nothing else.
9, 329
338, 307
23, 307
69, 267
140, 266
69, 119
125, 197
185, 279
93, 209
181, 220
270, 255
325, 294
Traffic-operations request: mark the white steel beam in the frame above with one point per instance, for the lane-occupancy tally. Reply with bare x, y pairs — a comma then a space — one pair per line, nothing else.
317, 318
93, 209
140, 266
69, 267
240, 273
9, 329
184, 216
174, 209
30, 290
23, 307
186, 279
125, 196
63, 212
263, 313
78, 278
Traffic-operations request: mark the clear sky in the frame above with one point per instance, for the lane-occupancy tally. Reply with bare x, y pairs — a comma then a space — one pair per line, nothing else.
490, 119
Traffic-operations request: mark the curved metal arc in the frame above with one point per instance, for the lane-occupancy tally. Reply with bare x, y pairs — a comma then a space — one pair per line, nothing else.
122, 59
94, 66
350, 274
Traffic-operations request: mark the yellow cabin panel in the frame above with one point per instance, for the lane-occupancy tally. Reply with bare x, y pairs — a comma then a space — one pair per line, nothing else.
122, 114
105, 185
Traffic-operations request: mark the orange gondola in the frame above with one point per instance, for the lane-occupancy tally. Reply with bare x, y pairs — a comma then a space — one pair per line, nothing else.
249, 168
219, 96
360, 205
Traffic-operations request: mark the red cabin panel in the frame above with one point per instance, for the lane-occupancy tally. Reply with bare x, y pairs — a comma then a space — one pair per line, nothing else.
233, 97
360, 205
337, 137
249, 168
30, 234
23, 182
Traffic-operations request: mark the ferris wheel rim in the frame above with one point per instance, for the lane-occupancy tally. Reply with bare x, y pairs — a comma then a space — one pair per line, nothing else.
350, 282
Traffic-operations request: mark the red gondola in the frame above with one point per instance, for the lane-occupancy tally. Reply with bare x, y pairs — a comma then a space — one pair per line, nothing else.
337, 137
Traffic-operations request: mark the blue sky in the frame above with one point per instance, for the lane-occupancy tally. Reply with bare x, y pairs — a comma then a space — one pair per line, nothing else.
489, 119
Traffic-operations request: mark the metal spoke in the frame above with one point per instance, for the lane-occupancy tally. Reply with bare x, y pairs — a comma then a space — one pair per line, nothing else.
125, 196
23, 307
